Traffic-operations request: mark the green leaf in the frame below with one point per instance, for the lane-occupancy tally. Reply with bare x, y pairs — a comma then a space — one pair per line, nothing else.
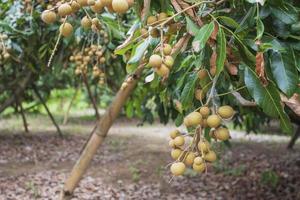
284, 71
267, 98
191, 27
260, 28
229, 22
188, 91
139, 51
287, 14
202, 36
221, 50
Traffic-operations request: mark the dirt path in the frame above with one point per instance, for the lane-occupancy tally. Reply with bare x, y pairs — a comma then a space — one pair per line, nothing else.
132, 165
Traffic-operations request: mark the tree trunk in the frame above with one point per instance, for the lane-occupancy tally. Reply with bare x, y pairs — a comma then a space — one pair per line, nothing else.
48, 111
23, 118
294, 139
99, 134
91, 96
66, 116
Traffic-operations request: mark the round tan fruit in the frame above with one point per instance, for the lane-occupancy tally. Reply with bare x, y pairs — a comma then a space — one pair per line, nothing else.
199, 94
189, 160
225, 112
199, 168
179, 141
174, 134
202, 74
144, 33
210, 156
175, 153
98, 7
167, 49
169, 61
106, 2
203, 146
178, 168
204, 111
82, 2
192, 119
120, 6
130, 2
162, 16
66, 29
151, 20
64, 9
91, 2
222, 134
172, 144
213, 121
48, 16
162, 71
155, 61
86, 22
154, 33
75, 6
198, 160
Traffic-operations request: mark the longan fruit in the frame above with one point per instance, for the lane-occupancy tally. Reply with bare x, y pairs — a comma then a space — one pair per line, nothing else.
204, 111
189, 160
202, 74
167, 49
91, 2
155, 61
210, 156
169, 61
179, 141
66, 29
222, 134
178, 168
110, 8
48, 16
86, 22
175, 153
130, 2
144, 33
198, 160
226, 112
155, 33
192, 119
199, 94
83, 2
75, 6
203, 146
120, 6
64, 9
96, 21
151, 20
98, 7
173, 134
172, 144
162, 16
162, 71
106, 2
199, 167
213, 121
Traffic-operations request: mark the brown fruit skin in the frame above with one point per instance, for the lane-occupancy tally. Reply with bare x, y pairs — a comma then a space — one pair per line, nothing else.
120, 6
155, 33
86, 22
193, 119
226, 112
48, 17
169, 61
204, 111
178, 169
75, 6
167, 49
199, 168
202, 74
130, 2
199, 94
162, 71
106, 2
98, 7
213, 121
175, 153
189, 160
203, 146
210, 156
151, 20
66, 29
172, 144
179, 141
174, 134
162, 16
144, 33
155, 61
82, 2
222, 134
198, 160
64, 9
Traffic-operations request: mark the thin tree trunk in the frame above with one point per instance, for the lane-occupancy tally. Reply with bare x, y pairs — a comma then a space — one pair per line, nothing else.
23, 118
99, 134
92, 98
294, 139
66, 116
48, 111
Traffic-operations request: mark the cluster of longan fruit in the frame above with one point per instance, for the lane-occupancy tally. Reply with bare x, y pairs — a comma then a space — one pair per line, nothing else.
4, 54
198, 153
64, 9
162, 64
200, 93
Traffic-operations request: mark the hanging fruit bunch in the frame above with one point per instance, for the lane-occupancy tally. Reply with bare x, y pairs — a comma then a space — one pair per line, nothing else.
197, 152
4, 54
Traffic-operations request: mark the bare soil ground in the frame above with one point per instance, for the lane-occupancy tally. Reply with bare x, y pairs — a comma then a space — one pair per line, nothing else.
132, 165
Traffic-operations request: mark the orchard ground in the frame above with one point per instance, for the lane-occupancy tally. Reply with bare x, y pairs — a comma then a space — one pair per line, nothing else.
132, 164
